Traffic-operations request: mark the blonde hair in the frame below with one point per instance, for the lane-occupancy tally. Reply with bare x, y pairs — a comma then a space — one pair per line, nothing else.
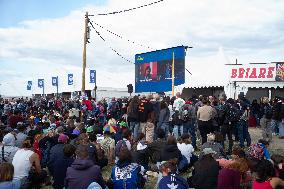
210, 137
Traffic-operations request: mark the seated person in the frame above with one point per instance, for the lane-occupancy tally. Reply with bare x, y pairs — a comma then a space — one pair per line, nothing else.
126, 174
170, 179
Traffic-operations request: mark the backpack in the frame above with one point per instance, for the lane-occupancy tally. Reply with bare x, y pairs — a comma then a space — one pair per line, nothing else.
176, 118
120, 144
233, 114
255, 151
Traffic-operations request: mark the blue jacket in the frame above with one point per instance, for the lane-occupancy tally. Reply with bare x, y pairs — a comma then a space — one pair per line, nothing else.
60, 166
14, 184
265, 152
56, 152
173, 181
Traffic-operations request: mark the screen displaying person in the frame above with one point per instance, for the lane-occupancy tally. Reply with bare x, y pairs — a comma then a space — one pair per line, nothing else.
147, 74
167, 71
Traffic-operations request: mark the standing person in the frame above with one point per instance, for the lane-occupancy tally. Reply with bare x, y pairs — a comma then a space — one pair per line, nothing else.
189, 119
132, 116
255, 111
83, 172
177, 121
281, 126
6, 177
276, 117
150, 127
228, 119
204, 117
242, 125
164, 118
145, 108
265, 124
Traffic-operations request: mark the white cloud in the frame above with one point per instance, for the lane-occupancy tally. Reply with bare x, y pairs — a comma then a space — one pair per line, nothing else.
248, 30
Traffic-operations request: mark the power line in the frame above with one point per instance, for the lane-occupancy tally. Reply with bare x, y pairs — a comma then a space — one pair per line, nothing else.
134, 8
116, 52
119, 36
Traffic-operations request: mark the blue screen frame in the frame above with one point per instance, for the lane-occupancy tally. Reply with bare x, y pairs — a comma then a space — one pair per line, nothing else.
159, 56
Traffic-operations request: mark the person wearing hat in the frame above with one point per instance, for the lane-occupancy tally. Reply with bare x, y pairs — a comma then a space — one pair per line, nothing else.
90, 130
57, 151
8, 148
206, 170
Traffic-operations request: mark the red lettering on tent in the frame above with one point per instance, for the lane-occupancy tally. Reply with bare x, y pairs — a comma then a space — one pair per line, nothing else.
270, 72
234, 73
253, 73
262, 71
241, 72
247, 72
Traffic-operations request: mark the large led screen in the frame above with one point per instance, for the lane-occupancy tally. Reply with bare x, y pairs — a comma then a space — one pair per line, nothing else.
153, 70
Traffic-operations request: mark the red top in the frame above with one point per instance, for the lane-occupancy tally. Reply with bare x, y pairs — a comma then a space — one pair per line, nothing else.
263, 185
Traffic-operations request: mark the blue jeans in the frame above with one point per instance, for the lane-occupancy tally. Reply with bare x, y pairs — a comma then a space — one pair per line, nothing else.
165, 127
243, 133
178, 130
281, 129
275, 126
134, 127
189, 127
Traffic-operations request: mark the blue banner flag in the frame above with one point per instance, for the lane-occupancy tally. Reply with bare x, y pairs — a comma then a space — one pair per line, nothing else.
92, 76
54, 81
70, 79
40, 83
29, 86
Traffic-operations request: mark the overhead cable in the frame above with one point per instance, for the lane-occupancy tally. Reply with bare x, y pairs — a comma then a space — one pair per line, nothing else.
110, 46
119, 36
127, 10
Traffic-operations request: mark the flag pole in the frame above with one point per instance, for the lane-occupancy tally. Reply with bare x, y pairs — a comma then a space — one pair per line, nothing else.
57, 87
173, 75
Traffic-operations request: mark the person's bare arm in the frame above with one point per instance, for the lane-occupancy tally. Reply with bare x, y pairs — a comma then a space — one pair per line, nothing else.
34, 159
276, 182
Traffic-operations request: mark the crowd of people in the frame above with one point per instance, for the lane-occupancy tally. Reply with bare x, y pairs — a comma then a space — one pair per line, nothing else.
201, 143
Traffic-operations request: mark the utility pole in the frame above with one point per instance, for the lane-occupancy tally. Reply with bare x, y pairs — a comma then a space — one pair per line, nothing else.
84, 54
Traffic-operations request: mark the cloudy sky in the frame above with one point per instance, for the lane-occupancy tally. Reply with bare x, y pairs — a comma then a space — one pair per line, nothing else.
41, 39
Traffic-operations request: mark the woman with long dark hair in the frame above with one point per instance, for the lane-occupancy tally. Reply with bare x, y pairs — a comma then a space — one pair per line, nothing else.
164, 118
132, 116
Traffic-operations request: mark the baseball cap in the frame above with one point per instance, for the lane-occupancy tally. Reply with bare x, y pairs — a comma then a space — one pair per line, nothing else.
89, 129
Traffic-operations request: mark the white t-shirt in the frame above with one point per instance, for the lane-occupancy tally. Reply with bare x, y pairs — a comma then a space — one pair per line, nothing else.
178, 103
186, 150
21, 163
